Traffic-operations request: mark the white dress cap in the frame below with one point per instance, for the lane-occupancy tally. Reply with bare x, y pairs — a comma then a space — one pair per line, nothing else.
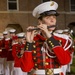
46, 6
59, 31
5, 32
12, 30
21, 35
65, 30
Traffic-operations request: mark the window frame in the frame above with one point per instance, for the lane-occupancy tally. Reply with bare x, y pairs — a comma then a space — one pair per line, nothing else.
17, 8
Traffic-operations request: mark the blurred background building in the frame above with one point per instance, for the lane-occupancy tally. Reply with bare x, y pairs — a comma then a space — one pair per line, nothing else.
18, 13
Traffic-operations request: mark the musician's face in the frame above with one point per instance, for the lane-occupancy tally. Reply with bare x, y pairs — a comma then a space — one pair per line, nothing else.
5, 36
49, 20
12, 34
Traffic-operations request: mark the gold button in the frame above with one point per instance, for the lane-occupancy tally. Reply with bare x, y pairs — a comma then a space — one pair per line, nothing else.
52, 45
46, 63
35, 64
26, 48
34, 58
49, 41
59, 40
34, 51
34, 46
46, 57
48, 73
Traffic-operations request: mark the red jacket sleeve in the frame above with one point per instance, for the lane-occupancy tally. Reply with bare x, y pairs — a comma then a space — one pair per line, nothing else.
27, 61
14, 51
62, 55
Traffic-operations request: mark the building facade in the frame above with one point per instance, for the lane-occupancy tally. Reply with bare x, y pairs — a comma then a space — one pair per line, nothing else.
18, 13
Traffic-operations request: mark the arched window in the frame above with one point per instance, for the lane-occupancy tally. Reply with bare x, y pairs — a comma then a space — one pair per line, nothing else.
15, 26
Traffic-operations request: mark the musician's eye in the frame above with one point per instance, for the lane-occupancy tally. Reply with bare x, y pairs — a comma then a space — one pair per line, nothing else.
47, 17
54, 16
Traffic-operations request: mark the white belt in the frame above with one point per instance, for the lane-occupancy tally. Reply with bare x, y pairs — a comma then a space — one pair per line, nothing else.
55, 71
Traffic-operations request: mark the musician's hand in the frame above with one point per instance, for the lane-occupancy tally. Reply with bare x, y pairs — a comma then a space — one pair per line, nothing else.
44, 28
30, 35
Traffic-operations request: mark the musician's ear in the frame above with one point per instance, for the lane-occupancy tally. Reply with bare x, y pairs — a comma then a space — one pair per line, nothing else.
39, 21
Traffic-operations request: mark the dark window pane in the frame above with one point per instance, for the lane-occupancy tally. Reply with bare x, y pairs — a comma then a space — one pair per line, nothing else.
73, 8
73, 1
12, 6
12, 0
45, 0
72, 5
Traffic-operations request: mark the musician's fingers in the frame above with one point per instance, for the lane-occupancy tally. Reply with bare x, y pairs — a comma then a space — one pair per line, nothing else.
41, 27
33, 32
30, 27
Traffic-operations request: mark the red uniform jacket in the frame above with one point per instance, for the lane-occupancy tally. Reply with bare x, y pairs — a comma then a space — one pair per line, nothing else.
8, 47
33, 57
0, 48
4, 51
16, 48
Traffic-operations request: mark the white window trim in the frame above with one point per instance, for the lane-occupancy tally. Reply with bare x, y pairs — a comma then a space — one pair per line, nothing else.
70, 5
17, 6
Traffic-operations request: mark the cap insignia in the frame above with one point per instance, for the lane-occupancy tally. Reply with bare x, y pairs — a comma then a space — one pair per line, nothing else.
52, 3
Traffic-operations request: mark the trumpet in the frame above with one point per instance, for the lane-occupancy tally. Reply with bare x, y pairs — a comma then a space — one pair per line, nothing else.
39, 28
